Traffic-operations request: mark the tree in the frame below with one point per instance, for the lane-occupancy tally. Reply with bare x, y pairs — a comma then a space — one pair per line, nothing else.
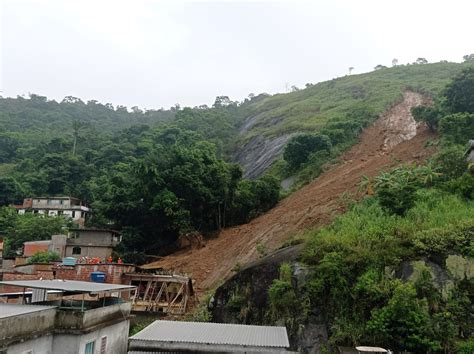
222, 101
468, 58
421, 61
294, 88
460, 92
394, 62
350, 70
379, 67
76, 127
298, 148
457, 128
429, 115
10, 190
28, 227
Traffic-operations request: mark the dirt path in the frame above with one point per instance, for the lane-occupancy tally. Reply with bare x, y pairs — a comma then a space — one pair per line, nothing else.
392, 140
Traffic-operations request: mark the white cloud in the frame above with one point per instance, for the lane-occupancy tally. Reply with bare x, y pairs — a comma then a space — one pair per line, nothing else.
157, 53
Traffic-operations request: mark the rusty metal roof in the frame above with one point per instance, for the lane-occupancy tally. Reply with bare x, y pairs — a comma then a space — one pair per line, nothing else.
214, 333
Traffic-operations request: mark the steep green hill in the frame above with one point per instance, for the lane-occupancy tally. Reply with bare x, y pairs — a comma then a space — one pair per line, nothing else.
311, 108
333, 105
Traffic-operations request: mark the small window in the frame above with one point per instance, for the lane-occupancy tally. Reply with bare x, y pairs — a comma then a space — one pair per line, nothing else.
76, 250
103, 345
90, 348
73, 213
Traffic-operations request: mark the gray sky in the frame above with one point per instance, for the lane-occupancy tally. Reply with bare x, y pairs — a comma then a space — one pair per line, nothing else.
157, 53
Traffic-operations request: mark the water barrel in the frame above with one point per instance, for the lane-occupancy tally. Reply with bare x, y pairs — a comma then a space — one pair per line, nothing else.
69, 261
98, 277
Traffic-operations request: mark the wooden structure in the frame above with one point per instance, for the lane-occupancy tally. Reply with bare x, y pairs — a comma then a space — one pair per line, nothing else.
160, 292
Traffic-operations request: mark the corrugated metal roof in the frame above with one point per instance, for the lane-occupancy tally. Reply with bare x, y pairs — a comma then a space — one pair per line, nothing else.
214, 333
67, 285
10, 310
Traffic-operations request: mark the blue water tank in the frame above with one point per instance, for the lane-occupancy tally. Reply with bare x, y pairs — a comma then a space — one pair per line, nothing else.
98, 277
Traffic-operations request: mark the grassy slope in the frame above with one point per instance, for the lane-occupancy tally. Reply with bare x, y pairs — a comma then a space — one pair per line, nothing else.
311, 108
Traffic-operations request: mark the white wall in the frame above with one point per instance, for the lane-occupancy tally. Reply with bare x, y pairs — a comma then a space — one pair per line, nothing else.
41, 345
117, 340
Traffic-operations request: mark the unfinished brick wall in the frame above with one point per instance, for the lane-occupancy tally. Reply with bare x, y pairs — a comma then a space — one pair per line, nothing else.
8, 276
113, 272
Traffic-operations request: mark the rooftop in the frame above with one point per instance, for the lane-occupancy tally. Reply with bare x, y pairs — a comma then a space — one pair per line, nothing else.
10, 310
214, 333
94, 230
68, 285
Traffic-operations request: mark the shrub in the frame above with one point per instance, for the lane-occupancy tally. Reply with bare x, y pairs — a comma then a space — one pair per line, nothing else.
457, 128
44, 257
396, 189
301, 146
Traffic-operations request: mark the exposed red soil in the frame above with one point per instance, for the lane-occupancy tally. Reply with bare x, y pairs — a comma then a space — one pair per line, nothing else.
382, 146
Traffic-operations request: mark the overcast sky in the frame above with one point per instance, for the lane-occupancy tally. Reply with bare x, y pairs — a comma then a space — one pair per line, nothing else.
157, 53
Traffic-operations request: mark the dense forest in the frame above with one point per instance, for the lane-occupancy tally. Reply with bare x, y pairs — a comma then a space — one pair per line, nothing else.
160, 174
153, 181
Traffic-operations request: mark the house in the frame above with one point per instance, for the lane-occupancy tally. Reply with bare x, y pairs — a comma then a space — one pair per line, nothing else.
56, 206
66, 317
90, 242
87, 243
205, 337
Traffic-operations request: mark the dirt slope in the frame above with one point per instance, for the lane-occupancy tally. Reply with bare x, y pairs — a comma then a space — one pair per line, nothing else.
392, 140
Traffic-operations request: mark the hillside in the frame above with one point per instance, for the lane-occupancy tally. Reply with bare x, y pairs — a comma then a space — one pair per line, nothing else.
389, 142
271, 121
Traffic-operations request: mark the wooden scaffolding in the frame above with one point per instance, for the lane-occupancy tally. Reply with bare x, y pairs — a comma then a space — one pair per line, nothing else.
160, 293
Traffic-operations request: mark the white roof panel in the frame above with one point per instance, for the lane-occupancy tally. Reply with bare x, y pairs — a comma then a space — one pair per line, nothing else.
214, 333
68, 285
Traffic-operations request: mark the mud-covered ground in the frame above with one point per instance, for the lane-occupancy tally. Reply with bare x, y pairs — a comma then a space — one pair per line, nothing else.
394, 139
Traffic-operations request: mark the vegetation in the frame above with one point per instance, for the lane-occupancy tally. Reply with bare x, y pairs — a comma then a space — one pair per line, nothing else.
377, 271
29, 227
44, 257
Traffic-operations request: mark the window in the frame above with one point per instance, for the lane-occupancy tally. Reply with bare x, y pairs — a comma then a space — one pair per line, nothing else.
90, 348
103, 345
76, 250
73, 214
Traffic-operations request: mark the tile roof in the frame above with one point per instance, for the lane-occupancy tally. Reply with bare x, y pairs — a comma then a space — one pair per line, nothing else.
214, 333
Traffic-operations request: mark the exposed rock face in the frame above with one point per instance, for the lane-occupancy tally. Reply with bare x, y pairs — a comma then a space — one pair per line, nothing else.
244, 299
257, 155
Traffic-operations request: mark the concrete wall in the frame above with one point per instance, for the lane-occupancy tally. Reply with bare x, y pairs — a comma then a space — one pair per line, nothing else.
117, 340
76, 320
26, 326
89, 251
67, 332
43, 345
95, 237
